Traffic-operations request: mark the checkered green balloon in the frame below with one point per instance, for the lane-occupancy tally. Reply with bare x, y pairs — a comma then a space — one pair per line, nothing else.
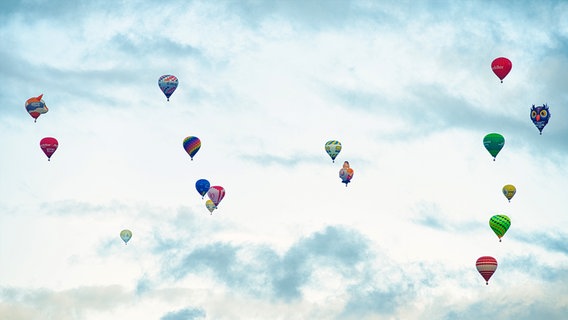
500, 224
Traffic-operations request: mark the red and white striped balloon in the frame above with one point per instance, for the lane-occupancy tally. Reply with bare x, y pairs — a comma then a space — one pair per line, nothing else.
216, 194
486, 266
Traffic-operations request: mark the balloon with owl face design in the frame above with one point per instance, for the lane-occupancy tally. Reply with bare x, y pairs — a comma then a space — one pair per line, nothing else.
540, 116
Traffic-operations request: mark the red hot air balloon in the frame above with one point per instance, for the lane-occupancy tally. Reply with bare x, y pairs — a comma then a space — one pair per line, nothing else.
486, 266
48, 145
216, 194
501, 67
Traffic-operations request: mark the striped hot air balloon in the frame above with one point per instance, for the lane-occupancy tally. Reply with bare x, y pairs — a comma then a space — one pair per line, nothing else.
333, 147
486, 266
191, 145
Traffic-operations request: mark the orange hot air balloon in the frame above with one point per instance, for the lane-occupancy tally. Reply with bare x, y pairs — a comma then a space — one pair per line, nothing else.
36, 107
346, 173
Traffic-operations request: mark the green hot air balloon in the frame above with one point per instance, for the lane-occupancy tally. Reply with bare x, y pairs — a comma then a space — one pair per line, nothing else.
500, 224
494, 142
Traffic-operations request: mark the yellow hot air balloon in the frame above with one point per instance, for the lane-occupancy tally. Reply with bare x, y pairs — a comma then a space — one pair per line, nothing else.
509, 191
210, 205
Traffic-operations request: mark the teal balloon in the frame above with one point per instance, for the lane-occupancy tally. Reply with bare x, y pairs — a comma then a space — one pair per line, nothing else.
125, 235
494, 142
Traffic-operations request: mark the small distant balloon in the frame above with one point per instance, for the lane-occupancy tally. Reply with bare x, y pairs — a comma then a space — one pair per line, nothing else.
509, 191
191, 145
168, 84
125, 235
346, 173
216, 194
540, 116
202, 186
36, 106
501, 67
210, 206
494, 142
486, 266
48, 145
499, 224
333, 147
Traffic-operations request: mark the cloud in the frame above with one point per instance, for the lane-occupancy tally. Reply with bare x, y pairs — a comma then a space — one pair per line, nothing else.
184, 314
260, 270
68, 304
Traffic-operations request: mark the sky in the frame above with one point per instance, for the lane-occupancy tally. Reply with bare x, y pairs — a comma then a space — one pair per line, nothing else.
406, 87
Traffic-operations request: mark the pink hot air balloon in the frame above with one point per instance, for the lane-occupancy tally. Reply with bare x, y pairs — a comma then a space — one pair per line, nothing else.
486, 266
48, 145
216, 194
501, 67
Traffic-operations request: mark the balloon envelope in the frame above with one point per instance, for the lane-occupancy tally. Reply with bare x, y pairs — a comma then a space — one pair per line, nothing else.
333, 147
494, 142
501, 67
210, 205
191, 145
509, 191
346, 173
48, 145
36, 106
125, 235
540, 116
486, 266
168, 84
216, 194
500, 224
202, 186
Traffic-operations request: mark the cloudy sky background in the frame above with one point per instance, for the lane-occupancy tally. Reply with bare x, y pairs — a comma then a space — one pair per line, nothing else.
408, 90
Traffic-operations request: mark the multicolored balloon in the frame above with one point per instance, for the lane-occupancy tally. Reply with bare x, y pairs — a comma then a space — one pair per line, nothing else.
210, 206
346, 173
540, 116
168, 84
500, 224
509, 191
36, 107
216, 194
48, 145
494, 142
191, 145
202, 186
333, 147
125, 235
501, 67
486, 266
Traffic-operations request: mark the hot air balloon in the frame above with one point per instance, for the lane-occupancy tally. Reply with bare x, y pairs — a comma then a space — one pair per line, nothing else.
191, 145
216, 194
501, 67
346, 173
509, 191
500, 224
333, 147
125, 235
48, 145
494, 142
210, 206
486, 266
36, 107
540, 116
202, 186
168, 84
